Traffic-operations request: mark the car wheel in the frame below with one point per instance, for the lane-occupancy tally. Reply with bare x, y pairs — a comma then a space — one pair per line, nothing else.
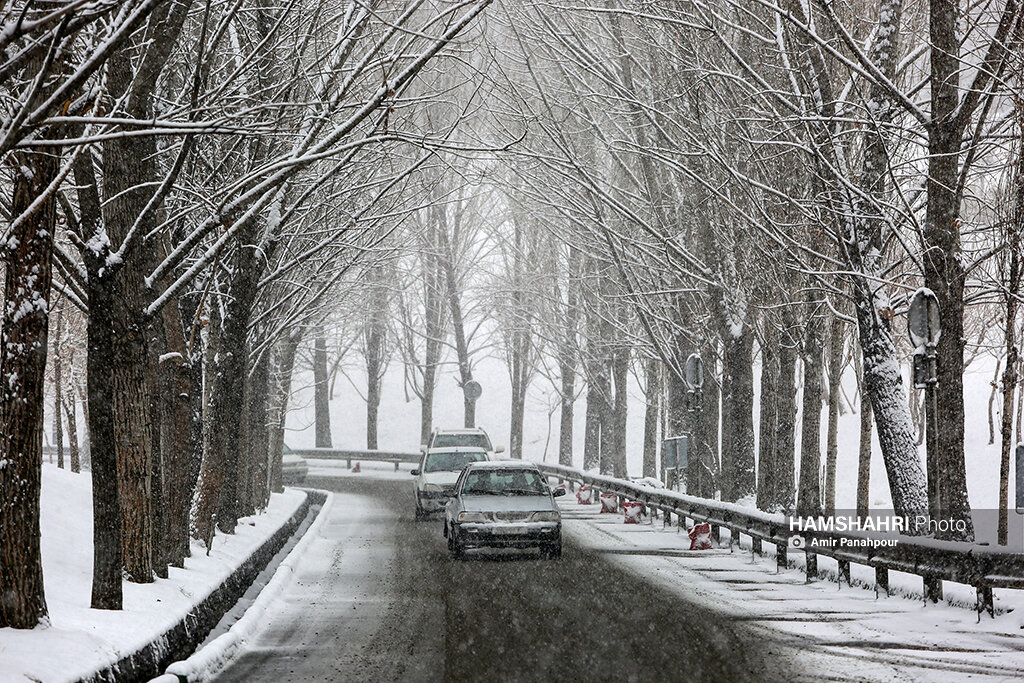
420, 514
455, 548
552, 551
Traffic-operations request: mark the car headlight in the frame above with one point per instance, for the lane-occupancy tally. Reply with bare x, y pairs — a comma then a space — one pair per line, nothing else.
432, 487
549, 516
472, 517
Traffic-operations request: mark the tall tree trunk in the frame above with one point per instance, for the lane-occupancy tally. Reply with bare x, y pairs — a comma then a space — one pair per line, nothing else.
567, 359
58, 385
809, 492
769, 422
106, 499
620, 377
69, 411
27, 255
835, 376
321, 404
652, 395
864, 456
598, 388
785, 455
1014, 227
279, 406
178, 438
257, 389
738, 479
434, 307
943, 265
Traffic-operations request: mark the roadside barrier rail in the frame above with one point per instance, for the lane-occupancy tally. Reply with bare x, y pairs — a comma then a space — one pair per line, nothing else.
981, 566
349, 455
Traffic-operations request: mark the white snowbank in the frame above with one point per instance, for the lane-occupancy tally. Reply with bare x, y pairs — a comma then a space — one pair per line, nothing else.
204, 664
80, 640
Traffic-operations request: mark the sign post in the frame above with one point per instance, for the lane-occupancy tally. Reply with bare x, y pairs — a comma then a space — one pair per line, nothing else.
1020, 479
924, 328
472, 391
675, 456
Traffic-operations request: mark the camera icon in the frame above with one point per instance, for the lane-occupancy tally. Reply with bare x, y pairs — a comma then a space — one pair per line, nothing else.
797, 542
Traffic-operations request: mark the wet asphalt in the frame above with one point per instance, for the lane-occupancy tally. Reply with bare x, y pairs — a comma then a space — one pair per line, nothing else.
378, 599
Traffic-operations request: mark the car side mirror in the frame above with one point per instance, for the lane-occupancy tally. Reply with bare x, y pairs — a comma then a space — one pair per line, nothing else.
499, 449
415, 473
558, 492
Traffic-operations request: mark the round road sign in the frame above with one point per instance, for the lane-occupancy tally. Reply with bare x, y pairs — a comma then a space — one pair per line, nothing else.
472, 389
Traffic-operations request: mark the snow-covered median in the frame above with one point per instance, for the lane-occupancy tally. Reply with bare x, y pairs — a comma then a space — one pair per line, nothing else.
80, 640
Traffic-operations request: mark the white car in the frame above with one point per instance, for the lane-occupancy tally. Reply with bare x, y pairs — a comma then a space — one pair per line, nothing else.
469, 437
504, 504
436, 476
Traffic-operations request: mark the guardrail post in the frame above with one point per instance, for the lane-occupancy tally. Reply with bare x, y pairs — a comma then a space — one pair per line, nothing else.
810, 566
844, 572
348, 463
882, 580
781, 561
985, 601
396, 466
932, 588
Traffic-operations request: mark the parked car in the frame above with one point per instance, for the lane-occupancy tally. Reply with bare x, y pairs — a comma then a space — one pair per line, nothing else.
470, 437
437, 473
503, 504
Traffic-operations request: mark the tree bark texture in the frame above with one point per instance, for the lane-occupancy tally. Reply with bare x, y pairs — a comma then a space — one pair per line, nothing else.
809, 491
27, 258
652, 406
321, 399
769, 422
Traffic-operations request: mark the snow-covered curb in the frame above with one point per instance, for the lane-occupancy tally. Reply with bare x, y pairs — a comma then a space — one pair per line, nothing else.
204, 664
184, 636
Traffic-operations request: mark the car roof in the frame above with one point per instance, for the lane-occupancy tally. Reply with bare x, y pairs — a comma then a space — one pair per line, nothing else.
503, 465
461, 430
456, 449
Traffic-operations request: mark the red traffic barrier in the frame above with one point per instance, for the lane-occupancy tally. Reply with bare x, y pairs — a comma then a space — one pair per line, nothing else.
609, 502
583, 496
700, 537
356, 468
633, 511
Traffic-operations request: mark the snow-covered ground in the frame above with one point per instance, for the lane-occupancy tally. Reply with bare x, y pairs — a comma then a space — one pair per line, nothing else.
844, 633
87, 639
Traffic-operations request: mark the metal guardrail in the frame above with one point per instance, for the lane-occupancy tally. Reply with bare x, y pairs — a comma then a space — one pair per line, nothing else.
983, 567
349, 455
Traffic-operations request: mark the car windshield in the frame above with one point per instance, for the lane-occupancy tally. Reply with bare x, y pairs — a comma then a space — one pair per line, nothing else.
461, 440
451, 462
510, 482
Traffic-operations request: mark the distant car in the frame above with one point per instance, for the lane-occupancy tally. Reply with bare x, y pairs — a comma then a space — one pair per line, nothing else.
503, 504
471, 437
436, 476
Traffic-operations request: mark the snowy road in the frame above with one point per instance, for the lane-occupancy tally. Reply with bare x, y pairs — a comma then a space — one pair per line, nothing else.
379, 599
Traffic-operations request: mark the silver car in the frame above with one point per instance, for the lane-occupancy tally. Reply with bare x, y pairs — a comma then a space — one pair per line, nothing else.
503, 504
